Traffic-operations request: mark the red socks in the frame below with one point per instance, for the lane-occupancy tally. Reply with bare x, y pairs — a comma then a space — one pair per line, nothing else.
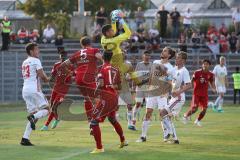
97, 136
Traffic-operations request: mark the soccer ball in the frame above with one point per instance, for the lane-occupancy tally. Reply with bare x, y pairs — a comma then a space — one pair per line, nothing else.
210, 104
116, 15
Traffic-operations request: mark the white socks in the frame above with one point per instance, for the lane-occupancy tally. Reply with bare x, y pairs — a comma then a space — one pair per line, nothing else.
129, 117
145, 126
135, 113
220, 104
174, 131
28, 131
217, 101
40, 114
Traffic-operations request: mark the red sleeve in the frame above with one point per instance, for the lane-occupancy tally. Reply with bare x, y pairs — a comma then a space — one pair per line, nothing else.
211, 77
75, 57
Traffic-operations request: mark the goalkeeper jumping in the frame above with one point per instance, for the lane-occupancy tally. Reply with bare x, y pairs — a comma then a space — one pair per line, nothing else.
112, 42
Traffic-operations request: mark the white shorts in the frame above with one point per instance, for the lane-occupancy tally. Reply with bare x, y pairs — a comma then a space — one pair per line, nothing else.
175, 104
125, 98
140, 95
34, 101
156, 102
221, 89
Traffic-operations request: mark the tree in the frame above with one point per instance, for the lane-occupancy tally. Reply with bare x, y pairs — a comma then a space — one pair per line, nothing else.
51, 11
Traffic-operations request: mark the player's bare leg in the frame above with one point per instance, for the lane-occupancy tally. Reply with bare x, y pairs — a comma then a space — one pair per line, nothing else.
187, 115
145, 125
200, 116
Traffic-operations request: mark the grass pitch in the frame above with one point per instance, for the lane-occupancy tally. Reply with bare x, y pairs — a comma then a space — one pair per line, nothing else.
219, 139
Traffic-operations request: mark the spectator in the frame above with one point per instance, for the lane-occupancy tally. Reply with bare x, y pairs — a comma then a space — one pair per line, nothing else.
34, 36
48, 34
126, 13
212, 32
22, 36
214, 46
236, 21
97, 34
6, 26
187, 20
101, 17
175, 16
223, 44
182, 43
162, 14
233, 40
59, 41
141, 33
223, 30
139, 17
196, 42
236, 85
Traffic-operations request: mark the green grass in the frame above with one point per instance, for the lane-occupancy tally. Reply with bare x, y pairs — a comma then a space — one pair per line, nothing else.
217, 139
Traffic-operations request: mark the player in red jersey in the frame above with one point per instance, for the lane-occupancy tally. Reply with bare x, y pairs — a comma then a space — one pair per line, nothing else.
61, 82
108, 82
85, 61
201, 79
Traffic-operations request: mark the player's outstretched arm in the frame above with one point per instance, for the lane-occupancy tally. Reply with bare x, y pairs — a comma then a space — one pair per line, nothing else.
42, 75
127, 32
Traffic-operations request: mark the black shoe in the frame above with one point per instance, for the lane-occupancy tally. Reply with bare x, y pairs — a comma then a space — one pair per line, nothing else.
31, 120
166, 138
26, 142
142, 139
176, 141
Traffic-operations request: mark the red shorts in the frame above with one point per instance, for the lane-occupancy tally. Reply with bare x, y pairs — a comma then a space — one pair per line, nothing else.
56, 97
86, 88
106, 107
199, 101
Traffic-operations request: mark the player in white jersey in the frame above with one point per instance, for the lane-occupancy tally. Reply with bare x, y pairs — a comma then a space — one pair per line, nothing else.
220, 72
160, 101
143, 71
37, 104
181, 82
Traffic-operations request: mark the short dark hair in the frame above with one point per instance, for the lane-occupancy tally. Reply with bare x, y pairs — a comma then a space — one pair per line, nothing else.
85, 41
146, 52
207, 61
29, 47
107, 55
106, 28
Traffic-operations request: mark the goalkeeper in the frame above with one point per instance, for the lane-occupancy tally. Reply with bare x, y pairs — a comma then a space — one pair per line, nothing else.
112, 42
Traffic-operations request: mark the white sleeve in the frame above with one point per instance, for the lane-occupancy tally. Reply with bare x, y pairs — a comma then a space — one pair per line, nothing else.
44, 32
214, 70
186, 77
38, 64
226, 71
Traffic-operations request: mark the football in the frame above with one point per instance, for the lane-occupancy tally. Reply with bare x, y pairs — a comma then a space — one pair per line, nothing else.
116, 15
